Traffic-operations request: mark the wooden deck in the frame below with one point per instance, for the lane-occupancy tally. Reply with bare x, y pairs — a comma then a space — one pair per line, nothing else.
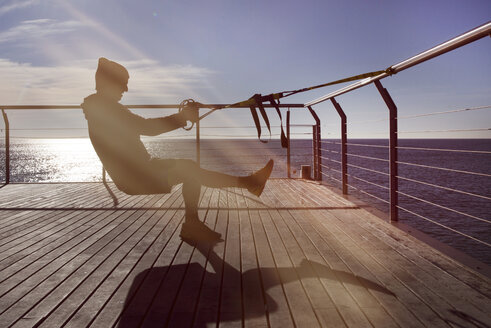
299, 256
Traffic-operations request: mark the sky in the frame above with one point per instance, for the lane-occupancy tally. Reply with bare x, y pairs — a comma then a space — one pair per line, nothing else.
224, 51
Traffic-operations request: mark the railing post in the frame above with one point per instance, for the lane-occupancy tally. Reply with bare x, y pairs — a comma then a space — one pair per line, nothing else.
7, 147
393, 184
316, 130
103, 175
319, 167
344, 145
314, 150
314, 153
198, 142
288, 149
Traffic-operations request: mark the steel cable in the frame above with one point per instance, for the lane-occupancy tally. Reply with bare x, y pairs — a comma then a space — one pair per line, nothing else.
448, 150
369, 182
328, 159
445, 169
337, 171
331, 177
415, 116
382, 200
331, 151
450, 130
444, 188
364, 168
446, 112
444, 226
365, 145
444, 207
367, 157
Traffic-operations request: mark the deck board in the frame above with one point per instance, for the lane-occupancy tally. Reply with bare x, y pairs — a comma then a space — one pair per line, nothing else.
301, 255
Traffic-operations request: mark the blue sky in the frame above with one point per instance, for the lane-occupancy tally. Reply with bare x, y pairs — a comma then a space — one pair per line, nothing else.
225, 51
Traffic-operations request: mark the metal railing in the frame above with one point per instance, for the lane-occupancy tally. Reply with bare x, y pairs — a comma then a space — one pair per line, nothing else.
380, 177
199, 134
459, 41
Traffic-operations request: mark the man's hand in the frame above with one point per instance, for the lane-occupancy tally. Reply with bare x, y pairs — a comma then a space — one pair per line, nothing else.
189, 110
190, 113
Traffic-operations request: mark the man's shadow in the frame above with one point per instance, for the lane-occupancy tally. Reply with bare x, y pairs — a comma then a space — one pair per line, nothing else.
168, 296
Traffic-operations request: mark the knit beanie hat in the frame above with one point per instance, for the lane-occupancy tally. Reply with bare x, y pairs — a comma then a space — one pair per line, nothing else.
109, 72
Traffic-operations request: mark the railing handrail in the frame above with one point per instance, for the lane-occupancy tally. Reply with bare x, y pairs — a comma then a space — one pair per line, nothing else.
148, 106
5, 108
447, 46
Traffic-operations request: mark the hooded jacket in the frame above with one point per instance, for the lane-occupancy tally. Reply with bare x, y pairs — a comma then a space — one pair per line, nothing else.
115, 135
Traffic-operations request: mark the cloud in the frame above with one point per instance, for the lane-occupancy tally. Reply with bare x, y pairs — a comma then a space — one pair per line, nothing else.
24, 83
36, 29
16, 4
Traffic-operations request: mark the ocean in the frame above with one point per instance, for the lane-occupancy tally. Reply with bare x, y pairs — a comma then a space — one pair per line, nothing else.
73, 160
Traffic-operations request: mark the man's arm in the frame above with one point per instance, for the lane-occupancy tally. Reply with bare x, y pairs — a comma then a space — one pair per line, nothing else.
156, 126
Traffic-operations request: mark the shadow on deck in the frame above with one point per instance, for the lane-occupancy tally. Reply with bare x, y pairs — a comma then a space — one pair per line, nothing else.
299, 256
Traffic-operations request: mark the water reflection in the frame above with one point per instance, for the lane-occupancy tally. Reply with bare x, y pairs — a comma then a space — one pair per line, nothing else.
54, 160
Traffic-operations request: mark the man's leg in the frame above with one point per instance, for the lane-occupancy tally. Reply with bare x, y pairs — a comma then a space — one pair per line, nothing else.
189, 173
193, 177
191, 191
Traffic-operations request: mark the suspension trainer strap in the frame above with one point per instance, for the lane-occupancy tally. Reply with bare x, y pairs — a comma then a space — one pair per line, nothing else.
273, 102
256, 122
274, 98
257, 101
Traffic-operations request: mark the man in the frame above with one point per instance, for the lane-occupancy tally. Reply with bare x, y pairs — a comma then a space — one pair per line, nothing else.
115, 134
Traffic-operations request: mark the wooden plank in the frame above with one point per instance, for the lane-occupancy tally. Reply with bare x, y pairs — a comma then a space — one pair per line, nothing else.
29, 192
32, 240
364, 277
12, 217
27, 253
42, 195
428, 299
453, 290
22, 219
25, 288
16, 239
6, 192
379, 276
433, 287
104, 291
31, 218
151, 266
366, 258
80, 249
147, 285
160, 309
430, 263
144, 283
209, 299
231, 306
78, 284
99, 267
300, 306
29, 232
39, 244
344, 299
254, 304
52, 256
277, 307
184, 307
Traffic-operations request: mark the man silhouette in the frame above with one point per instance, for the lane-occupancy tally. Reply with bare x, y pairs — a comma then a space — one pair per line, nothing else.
115, 135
